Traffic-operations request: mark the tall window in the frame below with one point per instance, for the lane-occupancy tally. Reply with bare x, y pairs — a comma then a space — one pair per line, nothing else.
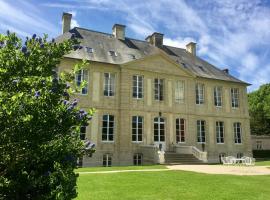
179, 91
220, 132
159, 129
237, 132
201, 131
81, 77
218, 96
180, 130
107, 160
235, 97
199, 93
258, 144
137, 159
137, 87
107, 127
82, 132
109, 84
137, 128
159, 89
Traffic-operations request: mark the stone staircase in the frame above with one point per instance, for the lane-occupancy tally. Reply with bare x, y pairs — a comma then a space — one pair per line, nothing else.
172, 158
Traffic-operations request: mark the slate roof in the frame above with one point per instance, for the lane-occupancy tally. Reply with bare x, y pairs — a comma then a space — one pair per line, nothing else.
131, 49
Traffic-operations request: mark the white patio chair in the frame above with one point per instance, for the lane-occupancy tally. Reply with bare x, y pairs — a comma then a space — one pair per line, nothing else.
250, 161
231, 160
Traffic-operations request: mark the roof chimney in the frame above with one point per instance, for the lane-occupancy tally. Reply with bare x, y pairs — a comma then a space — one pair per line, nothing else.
155, 39
226, 71
119, 31
191, 48
66, 20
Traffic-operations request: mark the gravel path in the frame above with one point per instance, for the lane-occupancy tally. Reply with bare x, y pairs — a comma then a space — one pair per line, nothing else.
130, 170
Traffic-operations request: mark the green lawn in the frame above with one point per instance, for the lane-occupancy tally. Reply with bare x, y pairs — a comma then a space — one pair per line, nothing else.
263, 163
171, 185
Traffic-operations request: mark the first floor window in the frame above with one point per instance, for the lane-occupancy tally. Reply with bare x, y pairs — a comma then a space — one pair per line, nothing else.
159, 129
137, 159
107, 160
235, 97
180, 130
107, 127
137, 87
201, 131
137, 128
159, 89
237, 132
81, 77
220, 132
179, 91
82, 132
218, 96
199, 93
109, 84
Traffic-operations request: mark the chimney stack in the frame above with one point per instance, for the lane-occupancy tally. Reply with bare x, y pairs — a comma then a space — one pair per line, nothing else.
155, 39
66, 21
191, 48
119, 31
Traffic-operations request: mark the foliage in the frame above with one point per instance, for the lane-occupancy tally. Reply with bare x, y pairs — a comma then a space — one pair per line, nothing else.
259, 109
39, 123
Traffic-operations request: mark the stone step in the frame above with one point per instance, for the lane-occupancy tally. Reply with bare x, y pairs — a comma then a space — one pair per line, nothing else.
173, 158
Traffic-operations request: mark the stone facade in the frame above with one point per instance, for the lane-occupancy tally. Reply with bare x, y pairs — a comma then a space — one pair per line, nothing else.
260, 142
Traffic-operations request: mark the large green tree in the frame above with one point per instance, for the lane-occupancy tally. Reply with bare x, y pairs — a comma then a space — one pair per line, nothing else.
259, 109
39, 123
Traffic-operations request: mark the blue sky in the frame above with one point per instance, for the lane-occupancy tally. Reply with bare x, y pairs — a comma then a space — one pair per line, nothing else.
232, 34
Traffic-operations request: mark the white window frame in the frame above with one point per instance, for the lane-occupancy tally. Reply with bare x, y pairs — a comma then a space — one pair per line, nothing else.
237, 129
201, 134
220, 134
179, 91
112, 53
218, 96
89, 49
138, 157
109, 84
199, 93
235, 97
159, 122
108, 128
159, 89
259, 145
136, 129
108, 160
137, 84
179, 130
84, 76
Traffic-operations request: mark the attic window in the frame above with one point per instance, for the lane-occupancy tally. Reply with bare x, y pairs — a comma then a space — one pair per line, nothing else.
201, 68
184, 64
132, 56
89, 49
112, 53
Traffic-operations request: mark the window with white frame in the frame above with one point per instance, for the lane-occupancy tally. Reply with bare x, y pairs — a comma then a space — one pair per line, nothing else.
159, 89
199, 93
180, 130
137, 159
137, 128
109, 84
112, 53
159, 129
179, 91
89, 49
237, 132
218, 96
258, 145
200, 131
137, 87
239, 155
220, 132
107, 127
82, 132
81, 77
235, 97
107, 160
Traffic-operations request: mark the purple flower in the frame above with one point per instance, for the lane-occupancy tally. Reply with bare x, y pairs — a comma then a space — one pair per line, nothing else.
65, 102
24, 49
72, 36
42, 46
34, 36
75, 47
81, 111
40, 40
53, 40
65, 94
37, 94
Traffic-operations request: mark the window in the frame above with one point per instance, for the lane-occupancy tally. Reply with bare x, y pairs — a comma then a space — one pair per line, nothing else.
80, 161
109, 84
179, 91
220, 132
159, 87
199, 93
89, 49
258, 145
137, 87
218, 96
112, 53
82, 132
239, 155
237, 132
107, 127
81, 77
137, 159
159, 129
137, 128
132, 56
235, 97
107, 160
180, 130
201, 131
221, 155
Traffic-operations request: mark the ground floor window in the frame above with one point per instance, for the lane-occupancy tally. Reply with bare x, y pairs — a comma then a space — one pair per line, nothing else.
159, 129
220, 132
107, 160
180, 130
221, 155
201, 131
237, 132
239, 155
137, 159
82, 132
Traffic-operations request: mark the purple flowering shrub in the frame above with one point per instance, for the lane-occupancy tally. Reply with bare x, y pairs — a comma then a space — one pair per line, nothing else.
39, 120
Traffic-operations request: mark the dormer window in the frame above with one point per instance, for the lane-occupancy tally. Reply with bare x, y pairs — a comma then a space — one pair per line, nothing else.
89, 49
112, 53
132, 56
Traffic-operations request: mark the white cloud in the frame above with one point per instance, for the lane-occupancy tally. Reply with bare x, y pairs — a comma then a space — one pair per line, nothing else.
74, 22
178, 42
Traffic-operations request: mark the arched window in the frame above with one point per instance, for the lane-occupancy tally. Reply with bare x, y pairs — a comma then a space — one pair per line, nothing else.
159, 129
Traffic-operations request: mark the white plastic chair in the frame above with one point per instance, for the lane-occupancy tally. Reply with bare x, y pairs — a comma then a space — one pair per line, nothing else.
250, 161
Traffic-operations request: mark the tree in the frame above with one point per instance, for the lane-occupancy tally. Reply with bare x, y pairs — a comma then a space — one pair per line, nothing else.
39, 123
259, 109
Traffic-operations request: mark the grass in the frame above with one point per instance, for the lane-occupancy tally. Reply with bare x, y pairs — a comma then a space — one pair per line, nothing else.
263, 163
172, 185
95, 169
